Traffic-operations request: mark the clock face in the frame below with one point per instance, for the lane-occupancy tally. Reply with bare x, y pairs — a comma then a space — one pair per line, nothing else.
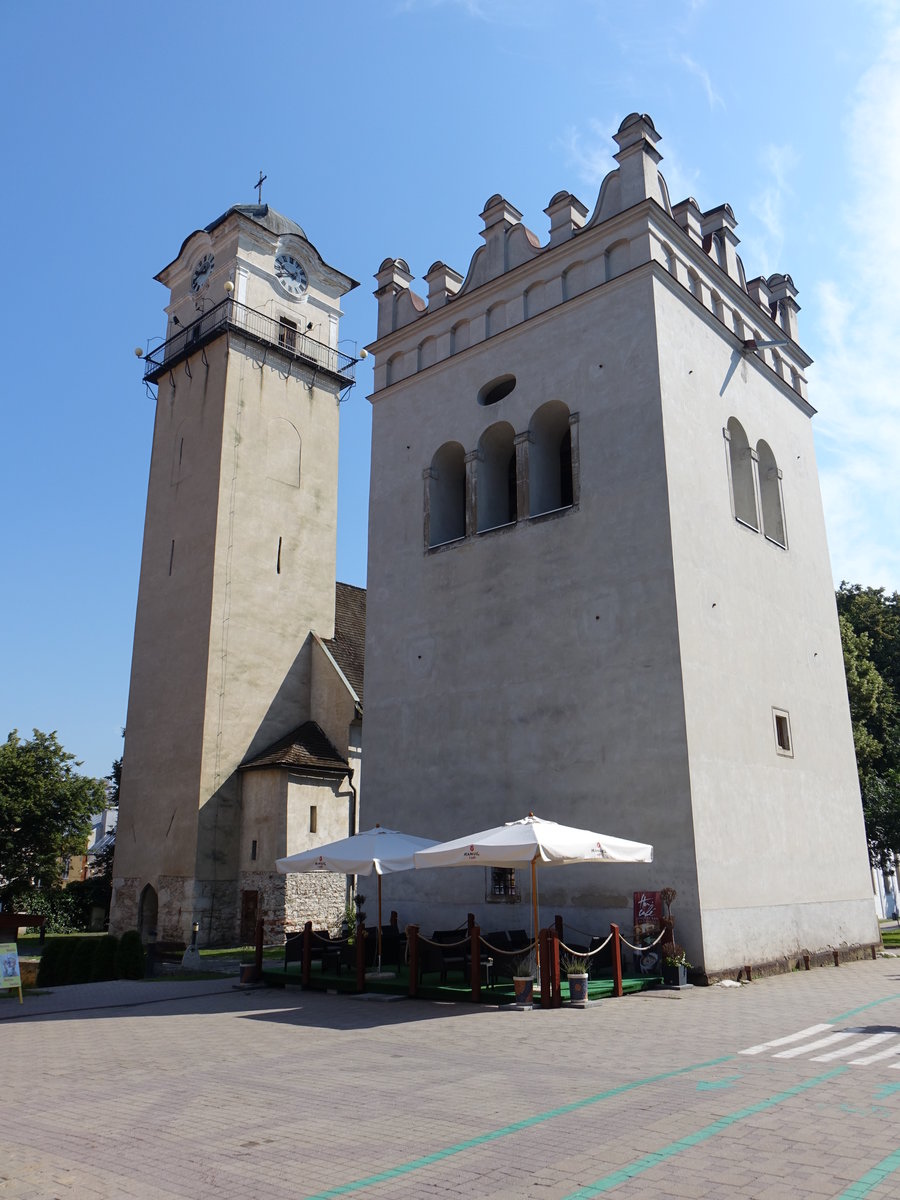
290, 274
202, 272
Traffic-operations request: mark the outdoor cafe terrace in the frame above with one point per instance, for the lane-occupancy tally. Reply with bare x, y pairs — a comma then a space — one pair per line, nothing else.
463, 963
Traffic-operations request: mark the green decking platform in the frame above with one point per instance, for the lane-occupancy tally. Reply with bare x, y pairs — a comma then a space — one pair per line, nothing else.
431, 988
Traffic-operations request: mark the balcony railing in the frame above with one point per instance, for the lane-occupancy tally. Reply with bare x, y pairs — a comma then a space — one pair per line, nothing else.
230, 315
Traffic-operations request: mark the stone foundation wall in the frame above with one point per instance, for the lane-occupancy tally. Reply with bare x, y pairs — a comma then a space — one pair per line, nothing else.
287, 902
123, 912
802, 961
318, 898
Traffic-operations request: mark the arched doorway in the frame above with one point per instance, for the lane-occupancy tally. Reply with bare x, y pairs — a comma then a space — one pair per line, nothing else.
148, 912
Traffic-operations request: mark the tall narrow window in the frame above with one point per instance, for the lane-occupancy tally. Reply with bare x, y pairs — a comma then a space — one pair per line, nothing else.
496, 477
770, 494
287, 334
253, 850
550, 459
446, 508
783, 743
171, 556
313, 819
743, 488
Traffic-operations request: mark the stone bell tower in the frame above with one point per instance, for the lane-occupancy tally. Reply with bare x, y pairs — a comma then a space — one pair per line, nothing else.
599, 585
238, 560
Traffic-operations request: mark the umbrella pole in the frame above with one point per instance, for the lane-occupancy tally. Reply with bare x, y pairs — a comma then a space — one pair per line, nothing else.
378, 933
534, 918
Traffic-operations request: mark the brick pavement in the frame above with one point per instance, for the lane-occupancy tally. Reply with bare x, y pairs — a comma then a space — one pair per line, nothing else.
169, 1089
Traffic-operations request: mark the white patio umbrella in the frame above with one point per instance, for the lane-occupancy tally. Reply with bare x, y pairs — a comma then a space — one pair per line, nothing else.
532, 842
377, 850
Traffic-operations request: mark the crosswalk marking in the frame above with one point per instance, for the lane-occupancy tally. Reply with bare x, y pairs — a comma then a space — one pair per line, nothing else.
864, 1062
794, 1037
875, 1040
837, 1043
826, 1041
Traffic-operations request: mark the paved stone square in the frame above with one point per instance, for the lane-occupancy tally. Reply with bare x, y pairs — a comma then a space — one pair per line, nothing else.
167, 1089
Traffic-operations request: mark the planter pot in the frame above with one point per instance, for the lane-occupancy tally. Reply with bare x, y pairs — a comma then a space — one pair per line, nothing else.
674, 976
578, 989
524, 989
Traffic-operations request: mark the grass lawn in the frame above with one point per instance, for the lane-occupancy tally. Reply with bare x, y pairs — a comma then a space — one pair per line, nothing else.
890, 936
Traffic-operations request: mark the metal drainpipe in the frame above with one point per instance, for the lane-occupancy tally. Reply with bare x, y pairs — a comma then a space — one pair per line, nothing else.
350, 889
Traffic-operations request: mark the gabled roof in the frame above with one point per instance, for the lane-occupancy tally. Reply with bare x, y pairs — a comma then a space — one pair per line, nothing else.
348, 646
305, 749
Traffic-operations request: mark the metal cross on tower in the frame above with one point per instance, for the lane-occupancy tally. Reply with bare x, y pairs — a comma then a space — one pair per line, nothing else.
259, 183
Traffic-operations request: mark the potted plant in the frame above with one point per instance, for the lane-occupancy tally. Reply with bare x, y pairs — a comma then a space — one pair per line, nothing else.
576, 969
524, 970
675, 965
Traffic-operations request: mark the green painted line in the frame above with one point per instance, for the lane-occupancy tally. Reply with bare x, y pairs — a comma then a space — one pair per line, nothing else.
872, 1178
862, 1008
693, 1139
427, 1160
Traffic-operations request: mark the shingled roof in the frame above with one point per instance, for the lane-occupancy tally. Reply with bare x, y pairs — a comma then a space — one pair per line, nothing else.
348, 646
305, 749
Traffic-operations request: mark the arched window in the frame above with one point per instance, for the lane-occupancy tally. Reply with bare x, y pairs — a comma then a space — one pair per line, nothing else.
496, 494
446, 511
550, 481
694, 284
770, 494
740, 462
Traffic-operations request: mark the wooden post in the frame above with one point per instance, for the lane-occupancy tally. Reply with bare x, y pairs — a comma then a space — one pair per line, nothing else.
475, 962
553, 954
616, 961
361, 957
258, 950
307, 953
394, 920
558, 924
470, 921
544, 967
412, 944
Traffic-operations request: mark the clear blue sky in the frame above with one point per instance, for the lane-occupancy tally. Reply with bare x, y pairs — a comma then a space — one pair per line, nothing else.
383, 127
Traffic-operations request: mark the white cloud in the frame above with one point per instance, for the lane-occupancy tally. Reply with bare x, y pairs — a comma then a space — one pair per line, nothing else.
715, 100
762, 249
856, 390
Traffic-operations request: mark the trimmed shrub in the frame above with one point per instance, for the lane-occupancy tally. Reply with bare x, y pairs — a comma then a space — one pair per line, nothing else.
130, 956
103, 962
81, 963
51, 964
68, 951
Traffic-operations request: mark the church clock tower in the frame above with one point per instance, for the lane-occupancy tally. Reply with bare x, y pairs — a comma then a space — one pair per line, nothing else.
238, 562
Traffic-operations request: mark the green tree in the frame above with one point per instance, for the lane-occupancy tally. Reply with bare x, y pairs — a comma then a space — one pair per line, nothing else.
45, 811
870, 634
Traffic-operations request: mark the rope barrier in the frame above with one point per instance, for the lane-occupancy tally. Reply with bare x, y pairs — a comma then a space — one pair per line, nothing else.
518, 951
444, 945
585, 953
640, 949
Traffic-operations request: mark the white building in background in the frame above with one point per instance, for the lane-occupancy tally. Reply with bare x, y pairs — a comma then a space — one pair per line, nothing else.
599, 585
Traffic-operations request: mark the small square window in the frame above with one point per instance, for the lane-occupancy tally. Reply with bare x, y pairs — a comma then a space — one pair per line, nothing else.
783, 743
503, 884
313, 818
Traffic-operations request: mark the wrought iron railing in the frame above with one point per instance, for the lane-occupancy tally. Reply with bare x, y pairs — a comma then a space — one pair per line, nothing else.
230, 315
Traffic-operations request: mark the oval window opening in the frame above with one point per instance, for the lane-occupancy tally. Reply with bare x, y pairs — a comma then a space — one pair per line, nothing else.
496, 390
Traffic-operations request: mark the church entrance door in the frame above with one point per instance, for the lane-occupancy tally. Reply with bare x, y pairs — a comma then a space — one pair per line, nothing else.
249, 907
